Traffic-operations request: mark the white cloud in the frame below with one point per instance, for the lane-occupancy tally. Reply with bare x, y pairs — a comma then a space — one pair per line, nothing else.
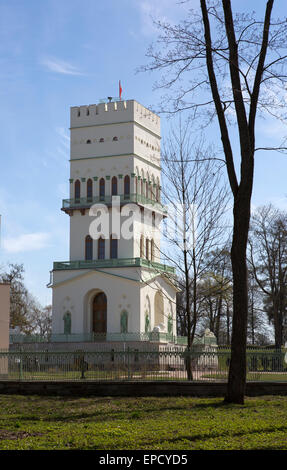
149, 12
27, 242
65, 138
59, 66
169, 11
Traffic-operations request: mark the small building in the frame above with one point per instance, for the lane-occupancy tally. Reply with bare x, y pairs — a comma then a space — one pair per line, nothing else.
4, 326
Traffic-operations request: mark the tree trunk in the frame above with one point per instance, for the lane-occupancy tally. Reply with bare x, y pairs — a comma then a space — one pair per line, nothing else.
218, 318
237, 369
227, 325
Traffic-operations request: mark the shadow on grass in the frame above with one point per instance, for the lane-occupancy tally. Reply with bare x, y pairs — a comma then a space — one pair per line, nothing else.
132, 411
113, 408
203, 437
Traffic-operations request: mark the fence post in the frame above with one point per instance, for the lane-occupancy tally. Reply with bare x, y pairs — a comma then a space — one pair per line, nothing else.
83, 369
129, 363
21, 365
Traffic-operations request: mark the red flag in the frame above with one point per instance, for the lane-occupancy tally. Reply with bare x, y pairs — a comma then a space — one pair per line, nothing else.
120, 90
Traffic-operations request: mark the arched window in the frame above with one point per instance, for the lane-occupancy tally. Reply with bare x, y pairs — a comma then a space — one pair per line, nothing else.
113, 247
146, 190
115, 139
114, 186
169, 324
77, 190
153, 219
102, 189
88, 248
127, 187
157, 194
67, 318
152, 249
88, 141
147, 249
147, 323
102, 139
142, 187
158, 308
89, 190
101, 248
142, 247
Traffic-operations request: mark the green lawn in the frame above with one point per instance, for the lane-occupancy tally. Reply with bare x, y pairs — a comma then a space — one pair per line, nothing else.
34, 422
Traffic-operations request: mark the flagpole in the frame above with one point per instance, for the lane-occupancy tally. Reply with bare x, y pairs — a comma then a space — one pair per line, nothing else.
120, 90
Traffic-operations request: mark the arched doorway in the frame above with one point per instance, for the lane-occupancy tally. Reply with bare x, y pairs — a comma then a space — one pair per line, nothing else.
99, 314
158, 308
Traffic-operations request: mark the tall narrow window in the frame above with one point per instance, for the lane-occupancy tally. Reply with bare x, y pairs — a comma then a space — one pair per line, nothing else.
102, 189
113, 248
89, 190
142, 247
146, 190
127, 187
77, 191
101, 248
153, 219
147, 249
114, 186
88, 248
152, 250
157, 194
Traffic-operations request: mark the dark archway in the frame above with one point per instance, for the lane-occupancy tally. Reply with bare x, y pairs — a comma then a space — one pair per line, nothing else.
100, 314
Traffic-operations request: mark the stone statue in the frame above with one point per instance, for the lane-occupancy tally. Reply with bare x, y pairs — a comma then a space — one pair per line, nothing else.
67, 323
147, 323
124, 322
209, 333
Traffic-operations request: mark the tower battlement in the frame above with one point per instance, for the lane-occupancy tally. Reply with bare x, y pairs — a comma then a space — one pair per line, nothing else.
114, 112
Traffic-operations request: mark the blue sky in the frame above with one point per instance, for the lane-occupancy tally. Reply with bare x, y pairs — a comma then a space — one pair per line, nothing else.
60, 53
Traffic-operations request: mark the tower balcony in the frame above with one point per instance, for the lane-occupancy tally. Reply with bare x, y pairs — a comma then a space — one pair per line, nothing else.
113, 263
83, 203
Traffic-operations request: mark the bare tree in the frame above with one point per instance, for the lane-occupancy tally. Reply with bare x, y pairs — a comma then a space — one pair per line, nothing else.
268, 260
39, 319
235, 68
18, 295
197, 200
25, 311
216, 292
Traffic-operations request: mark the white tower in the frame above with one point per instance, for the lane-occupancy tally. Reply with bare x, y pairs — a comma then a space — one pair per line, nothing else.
114, 283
